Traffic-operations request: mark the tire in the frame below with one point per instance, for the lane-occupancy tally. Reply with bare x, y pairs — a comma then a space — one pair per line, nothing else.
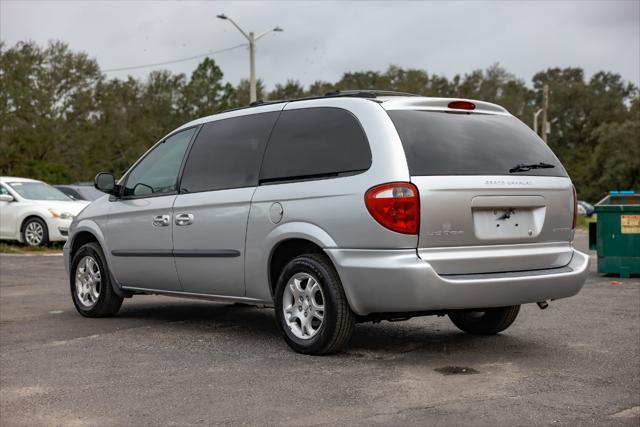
35, 232
320, 336
92, 301
485, 322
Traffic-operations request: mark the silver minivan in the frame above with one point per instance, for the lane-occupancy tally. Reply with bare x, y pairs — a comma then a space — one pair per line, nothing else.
352, 207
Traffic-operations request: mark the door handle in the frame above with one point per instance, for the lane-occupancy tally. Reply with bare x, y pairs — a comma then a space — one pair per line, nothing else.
184, 219
161, 220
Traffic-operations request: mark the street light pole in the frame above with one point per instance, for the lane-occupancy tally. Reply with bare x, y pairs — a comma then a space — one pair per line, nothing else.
545, 113
252, 38
535, 121
252, 68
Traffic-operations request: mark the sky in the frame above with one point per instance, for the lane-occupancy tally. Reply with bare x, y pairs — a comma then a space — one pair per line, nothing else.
324, 39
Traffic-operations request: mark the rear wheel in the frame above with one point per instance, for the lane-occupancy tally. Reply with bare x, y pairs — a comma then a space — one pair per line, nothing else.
311, 307
91, 288
485, 322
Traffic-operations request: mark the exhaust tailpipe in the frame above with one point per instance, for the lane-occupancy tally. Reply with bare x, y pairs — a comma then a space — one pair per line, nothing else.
542, 304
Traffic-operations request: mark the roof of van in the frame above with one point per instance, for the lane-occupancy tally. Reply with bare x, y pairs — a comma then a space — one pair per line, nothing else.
388, 100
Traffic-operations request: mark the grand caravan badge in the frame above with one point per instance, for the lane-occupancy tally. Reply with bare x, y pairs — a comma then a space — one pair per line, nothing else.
507, 182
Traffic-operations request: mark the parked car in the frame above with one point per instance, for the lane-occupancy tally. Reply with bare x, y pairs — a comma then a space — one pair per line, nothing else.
81, 191
357, 206
585, 208
34, 212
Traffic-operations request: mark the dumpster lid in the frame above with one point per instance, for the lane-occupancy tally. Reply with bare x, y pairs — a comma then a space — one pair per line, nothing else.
619, 201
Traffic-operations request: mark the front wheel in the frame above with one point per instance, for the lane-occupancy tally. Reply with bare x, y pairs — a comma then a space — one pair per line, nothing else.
35, 232
485, 322
91, 288
311, 307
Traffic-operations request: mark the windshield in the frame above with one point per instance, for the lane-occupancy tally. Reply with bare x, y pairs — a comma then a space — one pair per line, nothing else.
38, 191
439, 143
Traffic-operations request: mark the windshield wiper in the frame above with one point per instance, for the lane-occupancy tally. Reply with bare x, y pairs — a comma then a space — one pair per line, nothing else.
521, 167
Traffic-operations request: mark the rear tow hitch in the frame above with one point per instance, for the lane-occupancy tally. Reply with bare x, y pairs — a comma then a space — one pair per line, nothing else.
542, 304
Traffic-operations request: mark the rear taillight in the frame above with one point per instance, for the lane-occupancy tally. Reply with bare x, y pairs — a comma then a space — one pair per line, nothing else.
396, 206
575, 207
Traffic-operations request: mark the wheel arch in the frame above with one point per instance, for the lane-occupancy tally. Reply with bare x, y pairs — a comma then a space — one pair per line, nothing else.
82, 238
291, 239
86, 232
283, 252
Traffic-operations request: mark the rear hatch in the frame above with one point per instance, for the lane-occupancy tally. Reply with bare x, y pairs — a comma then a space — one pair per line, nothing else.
493, 196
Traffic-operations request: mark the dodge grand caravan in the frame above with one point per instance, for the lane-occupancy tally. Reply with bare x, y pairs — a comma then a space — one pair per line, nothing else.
355, 206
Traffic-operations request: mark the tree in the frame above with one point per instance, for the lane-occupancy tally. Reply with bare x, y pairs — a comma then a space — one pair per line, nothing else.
290, 90
319, 88
61, 120
498, 86
119, 132
616, 160
206, 94
47, 102
242, 98
577, 109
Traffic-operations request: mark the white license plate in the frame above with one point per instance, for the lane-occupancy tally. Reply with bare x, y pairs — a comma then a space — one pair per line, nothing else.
504, 223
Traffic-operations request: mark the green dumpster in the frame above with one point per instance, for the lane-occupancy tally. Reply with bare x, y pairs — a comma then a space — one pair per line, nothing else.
616, 234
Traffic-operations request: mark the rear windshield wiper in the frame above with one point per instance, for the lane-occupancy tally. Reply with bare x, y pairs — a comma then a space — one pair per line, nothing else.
521, 167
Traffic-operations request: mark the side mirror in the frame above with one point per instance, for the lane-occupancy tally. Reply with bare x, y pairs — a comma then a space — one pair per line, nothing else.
105, 182
6, 198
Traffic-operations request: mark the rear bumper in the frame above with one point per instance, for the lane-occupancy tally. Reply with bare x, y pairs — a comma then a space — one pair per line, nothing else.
398, 281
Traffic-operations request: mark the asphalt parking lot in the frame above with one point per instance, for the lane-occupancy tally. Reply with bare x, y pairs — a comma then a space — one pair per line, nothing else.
165, 361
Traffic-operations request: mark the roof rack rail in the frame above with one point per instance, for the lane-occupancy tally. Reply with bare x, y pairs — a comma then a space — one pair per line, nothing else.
367, 93
364, 93
263, 102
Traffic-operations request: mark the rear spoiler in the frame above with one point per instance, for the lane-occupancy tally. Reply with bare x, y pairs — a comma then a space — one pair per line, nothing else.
440, 104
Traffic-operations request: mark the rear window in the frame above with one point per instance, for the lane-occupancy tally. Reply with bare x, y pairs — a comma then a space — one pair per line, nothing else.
439, 143
315, 142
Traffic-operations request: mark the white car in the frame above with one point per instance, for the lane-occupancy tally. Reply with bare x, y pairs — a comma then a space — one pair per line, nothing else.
34, 212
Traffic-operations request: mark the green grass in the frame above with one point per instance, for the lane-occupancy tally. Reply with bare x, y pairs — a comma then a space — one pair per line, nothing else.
583, 222
18, 248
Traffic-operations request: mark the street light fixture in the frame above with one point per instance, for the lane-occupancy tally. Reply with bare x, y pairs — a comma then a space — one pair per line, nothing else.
252, 52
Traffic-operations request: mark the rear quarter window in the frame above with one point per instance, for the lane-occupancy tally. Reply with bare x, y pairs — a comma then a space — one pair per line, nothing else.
315, 142
439, 143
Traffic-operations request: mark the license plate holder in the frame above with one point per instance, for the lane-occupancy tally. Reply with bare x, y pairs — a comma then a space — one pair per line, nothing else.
504, 223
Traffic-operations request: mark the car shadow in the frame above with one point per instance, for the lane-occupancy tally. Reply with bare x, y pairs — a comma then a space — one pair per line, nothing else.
386, 340
434, 338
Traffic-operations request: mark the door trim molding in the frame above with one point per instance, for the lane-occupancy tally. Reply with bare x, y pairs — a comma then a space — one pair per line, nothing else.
211, 297
181, 253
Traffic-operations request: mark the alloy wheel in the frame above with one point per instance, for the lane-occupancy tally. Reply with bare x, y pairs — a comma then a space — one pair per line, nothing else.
303, 306
88, 281
34, 233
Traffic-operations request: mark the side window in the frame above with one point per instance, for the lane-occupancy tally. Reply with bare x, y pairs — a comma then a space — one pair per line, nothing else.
157, 173
3, 190
227, 153
315, 142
